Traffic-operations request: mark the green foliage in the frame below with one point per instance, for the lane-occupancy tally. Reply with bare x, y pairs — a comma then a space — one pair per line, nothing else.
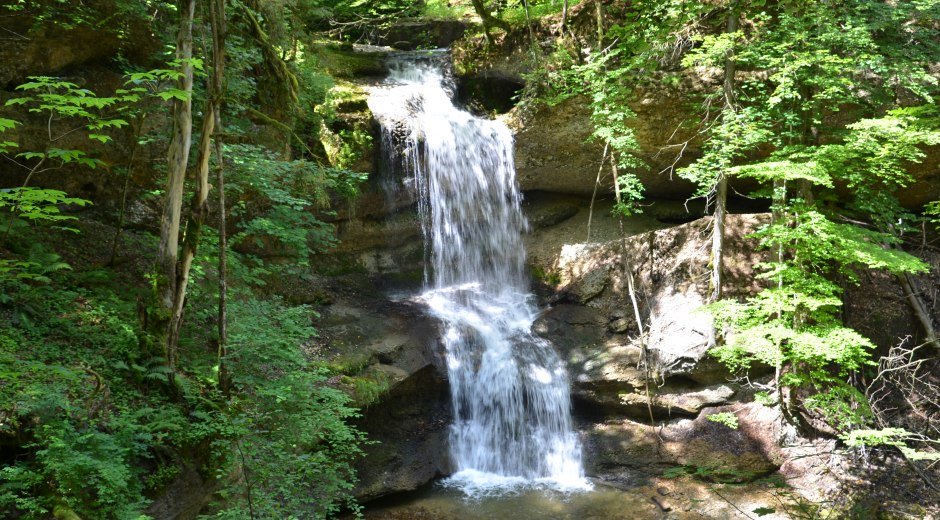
722, 475
99, 420
38, 205
445, 10
932, 212
896, 437
99, 424
843, 407
764, 398
57, 99
795, 323
274, 202
288, 433
85, 444
726, 418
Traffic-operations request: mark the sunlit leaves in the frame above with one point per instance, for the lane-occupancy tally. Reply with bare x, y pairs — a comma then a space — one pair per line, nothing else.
35, 204
896, 437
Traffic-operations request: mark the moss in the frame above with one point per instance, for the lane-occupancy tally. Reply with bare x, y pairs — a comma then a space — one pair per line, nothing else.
351, 361
367, 390
550, 277
346, 63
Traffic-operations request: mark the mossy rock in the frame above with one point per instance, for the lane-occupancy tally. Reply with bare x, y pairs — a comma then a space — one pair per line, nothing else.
345, 62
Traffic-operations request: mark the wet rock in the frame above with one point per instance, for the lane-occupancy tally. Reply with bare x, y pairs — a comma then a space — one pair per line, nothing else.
723, 453
544, 212
592, 322
351, 62
668, 401
422, 34
186, 496
620, 325
410, 425
389, 349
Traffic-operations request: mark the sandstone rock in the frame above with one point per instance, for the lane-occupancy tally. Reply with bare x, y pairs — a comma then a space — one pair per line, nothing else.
410, 426
392, 345
591, 285
408, 35
720, 452
595, 328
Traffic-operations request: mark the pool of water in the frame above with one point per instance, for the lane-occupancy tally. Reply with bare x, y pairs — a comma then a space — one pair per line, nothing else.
659, 499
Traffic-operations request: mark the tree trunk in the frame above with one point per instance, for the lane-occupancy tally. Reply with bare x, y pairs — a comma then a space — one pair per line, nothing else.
721, 187
158, 317
488, 20
564, 17
223, 261
718, 237
528, 22
599, 15
200, 201
917, 305
627, 266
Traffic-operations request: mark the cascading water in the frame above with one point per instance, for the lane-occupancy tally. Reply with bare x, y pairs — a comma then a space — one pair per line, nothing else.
512, 421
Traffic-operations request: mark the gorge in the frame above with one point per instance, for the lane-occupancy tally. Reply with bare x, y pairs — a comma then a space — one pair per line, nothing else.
460, 259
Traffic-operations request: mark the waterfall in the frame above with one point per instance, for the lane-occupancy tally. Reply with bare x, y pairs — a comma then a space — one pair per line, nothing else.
509, 389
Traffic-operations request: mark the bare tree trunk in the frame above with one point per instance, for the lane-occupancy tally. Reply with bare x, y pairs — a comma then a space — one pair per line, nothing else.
597, 183
200, 202
599, 15
158, 319
627, 266
528, 22
223, 261
917, 305
624, 257
779, 199
721, 187
564, 17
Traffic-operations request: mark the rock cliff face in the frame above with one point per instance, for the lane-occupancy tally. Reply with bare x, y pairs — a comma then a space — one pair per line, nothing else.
576, 258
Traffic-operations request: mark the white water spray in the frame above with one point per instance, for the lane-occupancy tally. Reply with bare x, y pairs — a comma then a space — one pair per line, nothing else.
512, 421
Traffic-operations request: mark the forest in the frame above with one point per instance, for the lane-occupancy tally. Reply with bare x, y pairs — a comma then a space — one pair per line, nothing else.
469, 259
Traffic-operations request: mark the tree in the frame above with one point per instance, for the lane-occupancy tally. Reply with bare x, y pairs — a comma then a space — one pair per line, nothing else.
166, 280
173, 265
793, 324
489, 21
200, 203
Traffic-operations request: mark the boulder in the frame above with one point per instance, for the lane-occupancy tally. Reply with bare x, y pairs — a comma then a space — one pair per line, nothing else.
713, 450
409, 427
592, 323
388, 351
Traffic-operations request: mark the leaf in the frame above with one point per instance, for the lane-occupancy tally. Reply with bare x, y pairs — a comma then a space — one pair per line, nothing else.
173, 93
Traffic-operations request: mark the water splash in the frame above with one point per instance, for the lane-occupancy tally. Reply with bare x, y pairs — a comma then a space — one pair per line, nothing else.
509, 388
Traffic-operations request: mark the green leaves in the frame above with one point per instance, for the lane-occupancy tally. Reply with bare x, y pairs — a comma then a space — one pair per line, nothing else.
896, 437
7, 124
35, 204
726, 418
68, 110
